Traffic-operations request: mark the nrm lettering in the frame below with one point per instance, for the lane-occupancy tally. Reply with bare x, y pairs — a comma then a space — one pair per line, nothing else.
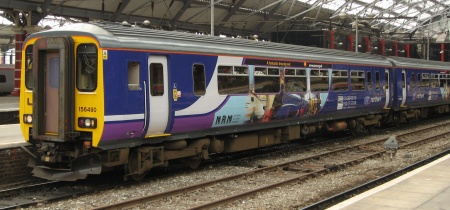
224, 119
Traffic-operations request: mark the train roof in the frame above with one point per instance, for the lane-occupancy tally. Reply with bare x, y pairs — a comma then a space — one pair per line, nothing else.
113, 35
419, 63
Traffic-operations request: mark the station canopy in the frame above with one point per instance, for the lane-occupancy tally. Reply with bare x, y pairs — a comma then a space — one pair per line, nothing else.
246, 18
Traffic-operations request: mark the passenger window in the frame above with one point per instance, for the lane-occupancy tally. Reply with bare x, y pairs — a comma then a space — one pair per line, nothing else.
357, 80
2, 78
426, 80
267, 80
403, 80
87, 67
156, 79
434, 80
198, 75
233, 80
377, 80
339, 80
295, 80
413, 80
386, 78
29, 68
369, 80
442, 80
419, 80
133, 76
319, 80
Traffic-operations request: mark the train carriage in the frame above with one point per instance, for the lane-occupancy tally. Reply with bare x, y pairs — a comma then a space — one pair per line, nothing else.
95, 96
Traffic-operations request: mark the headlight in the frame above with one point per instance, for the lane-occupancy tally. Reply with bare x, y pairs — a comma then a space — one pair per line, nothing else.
28, 118
84, 122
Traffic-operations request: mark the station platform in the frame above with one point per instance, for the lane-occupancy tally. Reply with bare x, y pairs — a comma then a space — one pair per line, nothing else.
9, 103
427, 187
11, 136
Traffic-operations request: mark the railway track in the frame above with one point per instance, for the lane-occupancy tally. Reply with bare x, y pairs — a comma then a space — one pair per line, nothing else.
369, 185
232, 188
309, 167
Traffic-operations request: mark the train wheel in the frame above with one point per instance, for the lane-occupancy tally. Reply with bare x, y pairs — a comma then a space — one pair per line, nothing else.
193, 163
133, 166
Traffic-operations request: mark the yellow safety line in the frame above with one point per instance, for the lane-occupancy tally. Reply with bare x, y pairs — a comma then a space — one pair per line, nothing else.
157, 135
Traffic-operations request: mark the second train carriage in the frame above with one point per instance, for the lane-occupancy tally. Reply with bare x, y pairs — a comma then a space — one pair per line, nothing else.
96, 96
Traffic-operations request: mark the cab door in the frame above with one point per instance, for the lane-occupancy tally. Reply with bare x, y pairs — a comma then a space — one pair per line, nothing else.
158, 96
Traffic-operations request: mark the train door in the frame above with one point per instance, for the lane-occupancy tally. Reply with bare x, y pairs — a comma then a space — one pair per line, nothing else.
403, 88
51, 92
158, 96
386, 88
53, 89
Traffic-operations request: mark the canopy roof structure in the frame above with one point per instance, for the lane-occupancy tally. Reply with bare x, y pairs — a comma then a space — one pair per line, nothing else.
398, 18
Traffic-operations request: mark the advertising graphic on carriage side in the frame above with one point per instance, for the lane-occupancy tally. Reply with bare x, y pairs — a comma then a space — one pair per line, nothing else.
346, 102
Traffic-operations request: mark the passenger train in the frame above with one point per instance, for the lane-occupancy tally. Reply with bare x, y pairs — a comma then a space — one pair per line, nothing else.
101, 96
6, 79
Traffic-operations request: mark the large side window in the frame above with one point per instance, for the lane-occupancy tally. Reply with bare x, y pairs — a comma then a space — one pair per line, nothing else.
156, 79
29, 67
233, 80
339, 80
198, 75
319, 80
87, 67
267, 80
295, 80
357, 80
133, 75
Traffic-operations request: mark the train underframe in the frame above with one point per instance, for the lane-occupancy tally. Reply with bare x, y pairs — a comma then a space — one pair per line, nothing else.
62, 162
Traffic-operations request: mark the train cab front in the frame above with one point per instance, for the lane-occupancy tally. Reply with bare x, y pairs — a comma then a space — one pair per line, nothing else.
60, 107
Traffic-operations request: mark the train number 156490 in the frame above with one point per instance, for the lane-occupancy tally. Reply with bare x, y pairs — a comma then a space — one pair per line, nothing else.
87, 109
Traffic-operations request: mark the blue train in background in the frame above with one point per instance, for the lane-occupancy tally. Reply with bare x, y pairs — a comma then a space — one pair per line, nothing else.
100, 96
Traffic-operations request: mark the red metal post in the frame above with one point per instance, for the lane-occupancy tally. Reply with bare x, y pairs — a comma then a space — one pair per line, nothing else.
407, 50
350, 41
368, 44
396, 48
